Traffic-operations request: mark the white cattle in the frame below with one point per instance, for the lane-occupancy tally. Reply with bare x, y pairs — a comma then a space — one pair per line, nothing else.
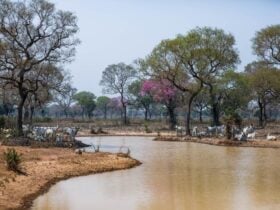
251, 135
248, 129
179, 130
202, 134
241, 137
215, 130
194, 131
72, 132
50, 132
271, 138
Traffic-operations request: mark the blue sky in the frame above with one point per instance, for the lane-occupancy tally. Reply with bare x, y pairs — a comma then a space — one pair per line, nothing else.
114, 31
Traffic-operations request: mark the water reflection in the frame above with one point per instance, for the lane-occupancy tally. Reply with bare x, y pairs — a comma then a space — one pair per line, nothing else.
174, 176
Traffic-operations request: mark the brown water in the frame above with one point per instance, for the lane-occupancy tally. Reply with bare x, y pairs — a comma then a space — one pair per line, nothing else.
174, 176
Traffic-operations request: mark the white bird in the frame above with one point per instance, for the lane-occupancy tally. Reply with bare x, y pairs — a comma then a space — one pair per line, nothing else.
271, 138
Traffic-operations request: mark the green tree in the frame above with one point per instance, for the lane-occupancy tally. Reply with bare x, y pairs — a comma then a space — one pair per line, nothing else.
207, 53
235, 92
193, 61
102, 103
266, 44
264, 81
87, 102
140, 99
116, 79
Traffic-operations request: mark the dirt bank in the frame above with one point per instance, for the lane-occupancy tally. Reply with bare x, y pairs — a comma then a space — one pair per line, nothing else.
45, 167
222, 142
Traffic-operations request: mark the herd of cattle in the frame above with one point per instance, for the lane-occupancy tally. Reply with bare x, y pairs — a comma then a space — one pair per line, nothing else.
50, 133
248, 132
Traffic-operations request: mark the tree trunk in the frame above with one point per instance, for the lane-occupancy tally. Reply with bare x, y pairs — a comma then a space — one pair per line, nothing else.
265, 116
261, 118
65, 113
215, 108
26, 114
216, 114
150, 114
172, 116
23, 96
83, 113
124, 115
105, 113
188, 116
20, 114
6, 109
31, 114
200, 115
146, 114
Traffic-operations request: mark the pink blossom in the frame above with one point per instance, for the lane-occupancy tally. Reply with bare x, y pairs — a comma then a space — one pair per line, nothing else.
160, 90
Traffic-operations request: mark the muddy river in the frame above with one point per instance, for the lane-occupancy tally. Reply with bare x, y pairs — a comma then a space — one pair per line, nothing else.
173, 176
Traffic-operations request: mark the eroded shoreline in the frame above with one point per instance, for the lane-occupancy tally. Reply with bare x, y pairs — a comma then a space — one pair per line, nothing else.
47, 166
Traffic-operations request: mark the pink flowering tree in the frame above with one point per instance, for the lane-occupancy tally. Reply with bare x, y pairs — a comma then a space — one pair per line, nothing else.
163, 92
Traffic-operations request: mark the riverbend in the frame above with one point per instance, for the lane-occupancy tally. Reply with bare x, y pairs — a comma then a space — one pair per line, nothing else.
174, 175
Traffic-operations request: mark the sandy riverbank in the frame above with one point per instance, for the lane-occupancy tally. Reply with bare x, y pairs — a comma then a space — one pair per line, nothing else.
222, 142
45, 167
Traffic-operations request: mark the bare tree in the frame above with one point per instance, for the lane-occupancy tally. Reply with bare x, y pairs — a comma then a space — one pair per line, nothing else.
116, 79
33, 33
65, 98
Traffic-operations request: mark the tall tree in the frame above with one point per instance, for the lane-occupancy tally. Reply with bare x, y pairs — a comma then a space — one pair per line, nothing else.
207, 53
264, 81
266, 44
165, 63
33, 33
116, 79
193, 61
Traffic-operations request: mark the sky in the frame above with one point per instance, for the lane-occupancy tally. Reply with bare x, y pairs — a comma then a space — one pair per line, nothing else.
113, 31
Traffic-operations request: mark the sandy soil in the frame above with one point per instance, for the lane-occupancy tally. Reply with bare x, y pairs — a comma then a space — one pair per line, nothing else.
44, 167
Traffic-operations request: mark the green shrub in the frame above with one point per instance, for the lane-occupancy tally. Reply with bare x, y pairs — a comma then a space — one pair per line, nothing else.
13, 159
